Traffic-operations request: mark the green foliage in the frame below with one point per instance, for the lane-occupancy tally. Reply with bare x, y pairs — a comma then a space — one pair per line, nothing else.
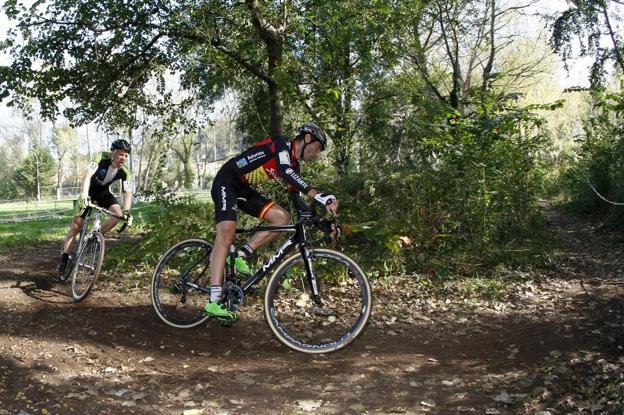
432, 176
599, 161
22, 234
593, 24
445, 192
168, 220
35, 174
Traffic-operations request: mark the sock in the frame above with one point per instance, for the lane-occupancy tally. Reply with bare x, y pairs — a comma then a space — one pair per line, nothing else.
64, 257
245, 251
216, 293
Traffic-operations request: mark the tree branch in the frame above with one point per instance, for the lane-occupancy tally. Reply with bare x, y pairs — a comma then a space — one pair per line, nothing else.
616, 49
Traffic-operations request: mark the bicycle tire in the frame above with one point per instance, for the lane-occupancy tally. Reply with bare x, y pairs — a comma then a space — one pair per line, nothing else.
72, 259
68, 269
87, 266
302, 325
175, 302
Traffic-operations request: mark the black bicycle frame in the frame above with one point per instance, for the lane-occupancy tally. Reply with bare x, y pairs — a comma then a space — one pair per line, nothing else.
299, 238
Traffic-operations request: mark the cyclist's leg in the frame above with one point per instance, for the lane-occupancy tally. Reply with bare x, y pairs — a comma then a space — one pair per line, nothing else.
72, 232
112, 221
106, 200
68, 244
276, 215
74, 229
225, 189
264, 208
224, 237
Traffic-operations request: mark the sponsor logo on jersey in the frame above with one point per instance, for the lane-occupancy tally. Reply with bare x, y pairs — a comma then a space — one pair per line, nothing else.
255, 156
241, 163
223, 199
272, 173
92, 167
297, 178
284, 158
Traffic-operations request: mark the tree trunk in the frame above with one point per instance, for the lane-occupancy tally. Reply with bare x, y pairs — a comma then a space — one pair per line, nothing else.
137, 176
487, 71
273, 38
59, 172
618, 55
277, 109
37, 176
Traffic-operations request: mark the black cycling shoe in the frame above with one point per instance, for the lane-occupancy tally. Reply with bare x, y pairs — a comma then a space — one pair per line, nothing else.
60, 268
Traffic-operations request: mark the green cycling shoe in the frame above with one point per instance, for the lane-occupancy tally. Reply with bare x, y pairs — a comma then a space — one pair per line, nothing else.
240, 265
219, 311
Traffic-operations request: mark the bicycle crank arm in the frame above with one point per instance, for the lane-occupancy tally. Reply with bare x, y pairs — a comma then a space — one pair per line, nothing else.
198, 287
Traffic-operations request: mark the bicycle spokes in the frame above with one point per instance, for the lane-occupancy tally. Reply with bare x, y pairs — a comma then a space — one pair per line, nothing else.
329, 322
180, 285
87, 266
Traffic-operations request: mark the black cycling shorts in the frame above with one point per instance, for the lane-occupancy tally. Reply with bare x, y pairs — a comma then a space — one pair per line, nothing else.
229, 195
102, 196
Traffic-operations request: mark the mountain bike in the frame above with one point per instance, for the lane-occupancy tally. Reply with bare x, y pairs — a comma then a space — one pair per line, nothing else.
316, 301
85, 262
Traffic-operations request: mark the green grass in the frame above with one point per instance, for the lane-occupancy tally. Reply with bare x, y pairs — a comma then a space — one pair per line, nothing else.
32, 232
20, 234
28, 210
25, 231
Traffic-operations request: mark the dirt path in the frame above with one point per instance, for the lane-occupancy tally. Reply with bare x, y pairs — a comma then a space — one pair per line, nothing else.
552, 348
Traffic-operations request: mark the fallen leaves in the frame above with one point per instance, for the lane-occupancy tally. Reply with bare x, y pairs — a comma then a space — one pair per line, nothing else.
309, 405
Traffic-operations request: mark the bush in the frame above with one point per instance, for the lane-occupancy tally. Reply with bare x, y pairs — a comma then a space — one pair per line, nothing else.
599, 162
167, 221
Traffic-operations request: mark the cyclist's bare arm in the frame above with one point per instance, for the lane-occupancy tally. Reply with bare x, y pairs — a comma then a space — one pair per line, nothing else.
126, 188
127, 200
86, 181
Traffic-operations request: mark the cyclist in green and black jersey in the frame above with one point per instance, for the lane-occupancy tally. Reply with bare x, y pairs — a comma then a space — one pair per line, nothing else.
105, 168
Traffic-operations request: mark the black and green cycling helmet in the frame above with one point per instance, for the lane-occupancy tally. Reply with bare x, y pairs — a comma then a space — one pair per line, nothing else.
121, 144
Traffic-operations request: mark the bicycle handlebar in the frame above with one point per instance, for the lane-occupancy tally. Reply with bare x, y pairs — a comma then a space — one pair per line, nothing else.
109, 213
309, 216
327, 226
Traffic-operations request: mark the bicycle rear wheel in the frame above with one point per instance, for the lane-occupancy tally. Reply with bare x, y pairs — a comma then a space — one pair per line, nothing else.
301, 324
87, 266
181, 284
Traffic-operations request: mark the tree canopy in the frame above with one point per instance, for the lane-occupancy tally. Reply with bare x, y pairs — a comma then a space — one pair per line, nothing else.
422, 99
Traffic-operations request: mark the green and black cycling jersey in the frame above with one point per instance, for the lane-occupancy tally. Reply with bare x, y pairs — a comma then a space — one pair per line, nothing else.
104, 173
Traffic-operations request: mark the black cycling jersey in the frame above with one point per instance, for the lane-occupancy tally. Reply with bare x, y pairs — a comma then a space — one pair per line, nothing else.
268, 159
104, 173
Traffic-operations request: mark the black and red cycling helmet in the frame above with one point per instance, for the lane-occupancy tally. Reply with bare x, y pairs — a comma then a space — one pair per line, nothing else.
316, 132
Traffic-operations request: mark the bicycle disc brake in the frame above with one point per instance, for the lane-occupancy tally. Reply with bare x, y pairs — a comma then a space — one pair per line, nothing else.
233, 296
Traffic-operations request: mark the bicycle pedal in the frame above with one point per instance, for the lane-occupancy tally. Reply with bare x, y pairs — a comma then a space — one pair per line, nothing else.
226, 323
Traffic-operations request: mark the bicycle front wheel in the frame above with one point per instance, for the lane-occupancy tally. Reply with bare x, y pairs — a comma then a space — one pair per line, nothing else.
181, 284
87, 266
302, 324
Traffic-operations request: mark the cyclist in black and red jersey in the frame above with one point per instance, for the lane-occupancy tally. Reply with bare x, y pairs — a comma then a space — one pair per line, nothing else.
104, 169
269, 159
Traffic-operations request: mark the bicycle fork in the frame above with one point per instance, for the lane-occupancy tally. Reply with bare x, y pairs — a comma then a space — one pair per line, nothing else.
305, 254
84, 234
